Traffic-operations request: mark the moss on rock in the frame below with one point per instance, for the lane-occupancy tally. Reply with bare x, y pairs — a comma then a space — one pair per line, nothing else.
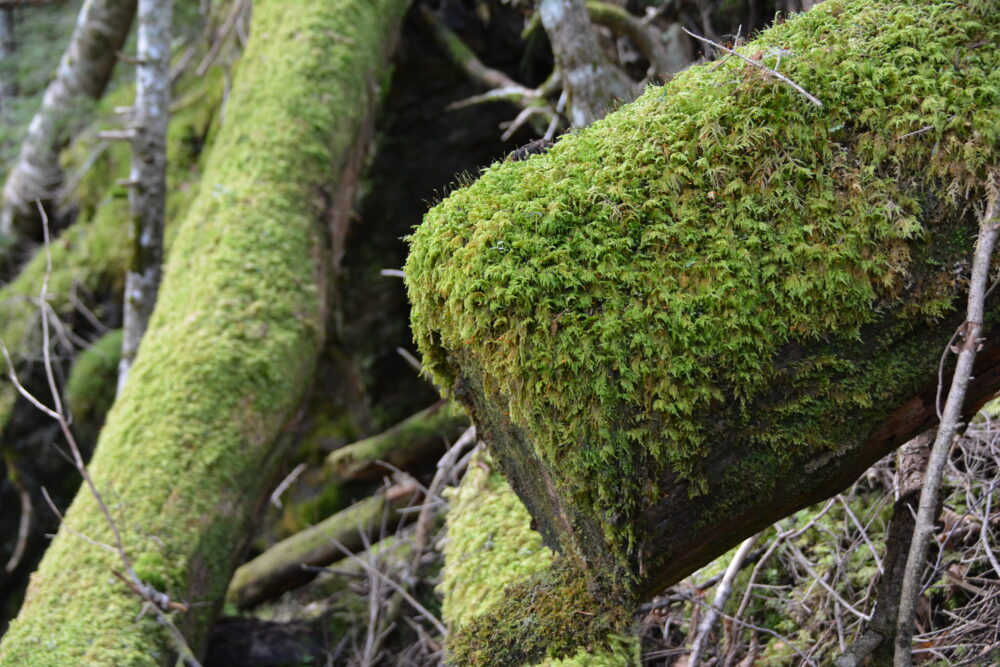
653, 268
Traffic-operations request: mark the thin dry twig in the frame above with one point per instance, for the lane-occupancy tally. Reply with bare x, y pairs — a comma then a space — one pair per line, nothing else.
24, 524
422, 610
721, 597
444, 467
285, 483
950, 422
759, 65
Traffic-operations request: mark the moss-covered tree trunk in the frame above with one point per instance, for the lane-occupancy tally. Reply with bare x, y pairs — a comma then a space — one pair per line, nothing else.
184, 458
721, 303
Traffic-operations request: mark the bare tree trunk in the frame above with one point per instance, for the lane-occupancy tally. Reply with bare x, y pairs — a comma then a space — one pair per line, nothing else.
83, 74
148, 178
593, 83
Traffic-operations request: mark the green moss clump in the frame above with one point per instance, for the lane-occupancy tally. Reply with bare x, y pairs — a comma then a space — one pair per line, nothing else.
506, 597
92, 382
651, 268
490, 544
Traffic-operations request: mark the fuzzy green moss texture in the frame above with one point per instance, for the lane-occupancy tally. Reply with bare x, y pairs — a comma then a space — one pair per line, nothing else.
184, 455
491, 547
90, 256
650, 268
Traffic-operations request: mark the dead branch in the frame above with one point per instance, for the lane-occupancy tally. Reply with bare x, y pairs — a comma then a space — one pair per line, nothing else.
227, 28
645, 36
444, 468
761, 66
721, 597
417, 439
501, 88
280, 568
24, 524
950, 424
396, 587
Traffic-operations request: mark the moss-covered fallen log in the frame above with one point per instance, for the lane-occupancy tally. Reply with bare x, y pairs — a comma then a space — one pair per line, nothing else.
84, 292
491, 546
419, 439
187, 452
279, 568
721, 303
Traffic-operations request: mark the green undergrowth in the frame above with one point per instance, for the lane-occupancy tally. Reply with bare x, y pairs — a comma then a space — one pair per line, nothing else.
652, 267
828, 535
506, 597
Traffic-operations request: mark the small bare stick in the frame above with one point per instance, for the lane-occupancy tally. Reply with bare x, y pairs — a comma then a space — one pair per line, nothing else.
989, 229
27, 511
721, 597
420, 609
761, 66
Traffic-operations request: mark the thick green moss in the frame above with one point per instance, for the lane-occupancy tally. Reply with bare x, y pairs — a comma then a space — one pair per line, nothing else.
492, 551
184, 456
90, 388
652, 268
490, 544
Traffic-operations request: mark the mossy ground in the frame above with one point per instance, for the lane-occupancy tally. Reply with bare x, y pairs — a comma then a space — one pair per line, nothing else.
229, 350
651, 268
90, 387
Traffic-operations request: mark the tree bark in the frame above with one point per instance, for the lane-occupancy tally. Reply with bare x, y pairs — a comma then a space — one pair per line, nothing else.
671, 327
594, 84
148, 178
186, 455
83, 74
